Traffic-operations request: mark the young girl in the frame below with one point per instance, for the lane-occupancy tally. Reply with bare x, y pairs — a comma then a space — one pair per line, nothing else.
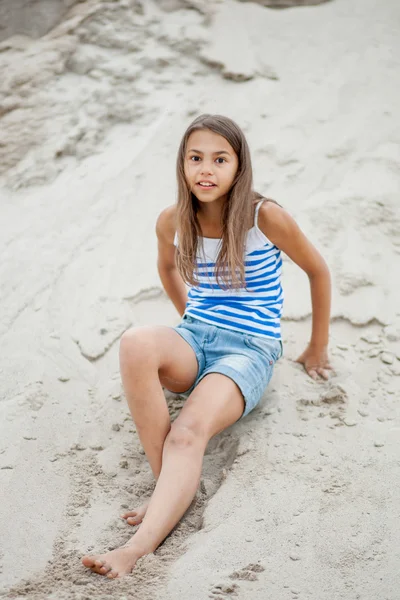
225, 241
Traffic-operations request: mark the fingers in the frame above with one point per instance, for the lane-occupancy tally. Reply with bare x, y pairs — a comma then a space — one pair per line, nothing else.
315, 368
317, 372
312, 373
324, 373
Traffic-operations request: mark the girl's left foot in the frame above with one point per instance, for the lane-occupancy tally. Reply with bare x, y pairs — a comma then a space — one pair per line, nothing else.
113, 564
135, 517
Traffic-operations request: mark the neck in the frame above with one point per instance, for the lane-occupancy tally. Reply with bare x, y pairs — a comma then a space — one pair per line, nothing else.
211, 213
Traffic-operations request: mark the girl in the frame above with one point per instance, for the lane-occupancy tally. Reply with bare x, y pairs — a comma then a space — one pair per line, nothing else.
225, 241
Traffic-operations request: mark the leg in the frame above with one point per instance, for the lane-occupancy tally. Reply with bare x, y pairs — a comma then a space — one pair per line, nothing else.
149, 358
215, 404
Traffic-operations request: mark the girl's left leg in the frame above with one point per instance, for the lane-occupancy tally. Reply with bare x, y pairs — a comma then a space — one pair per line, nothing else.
215, 404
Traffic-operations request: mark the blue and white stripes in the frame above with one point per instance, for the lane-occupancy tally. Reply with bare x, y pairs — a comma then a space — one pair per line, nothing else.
255, 309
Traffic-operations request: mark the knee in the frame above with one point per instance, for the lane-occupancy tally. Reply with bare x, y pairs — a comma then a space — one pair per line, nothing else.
136, 344
184, 435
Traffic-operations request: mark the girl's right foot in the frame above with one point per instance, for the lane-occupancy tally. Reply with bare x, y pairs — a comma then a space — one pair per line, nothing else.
135, 517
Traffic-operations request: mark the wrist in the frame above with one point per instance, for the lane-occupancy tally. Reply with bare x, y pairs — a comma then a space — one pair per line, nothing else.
318, 345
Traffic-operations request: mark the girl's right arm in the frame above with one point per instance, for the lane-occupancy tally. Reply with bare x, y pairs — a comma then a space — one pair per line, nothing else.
170, 277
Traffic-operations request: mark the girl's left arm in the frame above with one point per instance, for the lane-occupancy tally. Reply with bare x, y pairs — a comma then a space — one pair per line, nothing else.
281, 229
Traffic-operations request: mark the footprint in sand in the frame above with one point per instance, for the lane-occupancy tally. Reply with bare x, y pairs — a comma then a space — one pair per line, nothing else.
249, 573
222, 590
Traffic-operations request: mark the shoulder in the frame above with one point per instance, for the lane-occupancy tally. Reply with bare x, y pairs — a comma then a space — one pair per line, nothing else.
166, 224
275, 222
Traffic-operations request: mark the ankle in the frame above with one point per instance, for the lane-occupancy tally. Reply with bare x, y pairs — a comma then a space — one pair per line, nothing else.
137, 548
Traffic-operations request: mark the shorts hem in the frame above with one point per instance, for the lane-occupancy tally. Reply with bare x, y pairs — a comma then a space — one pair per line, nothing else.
240, 382
200, 363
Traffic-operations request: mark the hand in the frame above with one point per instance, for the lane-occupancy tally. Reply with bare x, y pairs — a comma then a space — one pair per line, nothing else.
315, 361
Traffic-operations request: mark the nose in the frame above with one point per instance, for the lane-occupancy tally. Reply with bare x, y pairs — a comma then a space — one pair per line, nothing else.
206, 168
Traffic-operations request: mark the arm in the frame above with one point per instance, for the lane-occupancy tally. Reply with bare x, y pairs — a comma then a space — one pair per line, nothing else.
170, 277
283, 231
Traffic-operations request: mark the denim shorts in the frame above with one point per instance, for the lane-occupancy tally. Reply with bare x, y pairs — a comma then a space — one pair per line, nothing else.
247, 359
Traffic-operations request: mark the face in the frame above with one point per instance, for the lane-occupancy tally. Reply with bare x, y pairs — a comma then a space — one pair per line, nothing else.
210, 165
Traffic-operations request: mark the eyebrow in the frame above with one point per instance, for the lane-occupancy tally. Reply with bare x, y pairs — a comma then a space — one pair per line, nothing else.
218, 152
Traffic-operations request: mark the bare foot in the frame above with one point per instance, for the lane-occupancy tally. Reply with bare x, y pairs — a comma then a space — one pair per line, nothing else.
135, 517
113, 564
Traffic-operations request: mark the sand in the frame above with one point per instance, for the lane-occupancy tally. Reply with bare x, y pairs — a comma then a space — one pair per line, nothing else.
300, 499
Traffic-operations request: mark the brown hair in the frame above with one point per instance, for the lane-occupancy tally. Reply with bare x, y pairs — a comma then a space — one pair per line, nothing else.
237, 213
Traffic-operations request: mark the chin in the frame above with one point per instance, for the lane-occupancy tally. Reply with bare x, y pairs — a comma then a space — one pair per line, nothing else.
207, 200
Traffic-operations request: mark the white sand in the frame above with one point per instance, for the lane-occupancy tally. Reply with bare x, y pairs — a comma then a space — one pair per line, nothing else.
301, 499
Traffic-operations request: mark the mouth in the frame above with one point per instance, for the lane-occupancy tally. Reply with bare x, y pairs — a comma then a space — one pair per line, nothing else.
205, 185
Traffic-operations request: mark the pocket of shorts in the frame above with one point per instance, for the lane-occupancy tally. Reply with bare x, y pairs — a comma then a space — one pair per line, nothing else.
266, 345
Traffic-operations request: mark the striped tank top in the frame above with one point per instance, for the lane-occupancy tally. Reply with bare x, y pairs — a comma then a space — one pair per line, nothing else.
256, 310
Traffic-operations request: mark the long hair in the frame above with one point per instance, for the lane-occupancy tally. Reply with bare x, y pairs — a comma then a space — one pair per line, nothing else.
237, 212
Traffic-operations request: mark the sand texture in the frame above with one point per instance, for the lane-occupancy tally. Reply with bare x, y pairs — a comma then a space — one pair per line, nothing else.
286, 3
300, 499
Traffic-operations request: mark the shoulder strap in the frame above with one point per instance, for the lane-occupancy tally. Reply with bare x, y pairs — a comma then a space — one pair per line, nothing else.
256, 212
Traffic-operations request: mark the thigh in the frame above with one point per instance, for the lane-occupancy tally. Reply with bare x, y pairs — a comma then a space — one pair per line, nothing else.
215, 404
175, 359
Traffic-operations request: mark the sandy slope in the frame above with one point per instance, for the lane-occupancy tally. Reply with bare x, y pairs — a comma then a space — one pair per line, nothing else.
301, 499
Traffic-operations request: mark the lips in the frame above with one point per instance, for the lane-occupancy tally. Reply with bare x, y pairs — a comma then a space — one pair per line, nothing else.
206, 184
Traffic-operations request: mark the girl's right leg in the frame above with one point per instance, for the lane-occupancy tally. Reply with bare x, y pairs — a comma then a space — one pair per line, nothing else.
150, 358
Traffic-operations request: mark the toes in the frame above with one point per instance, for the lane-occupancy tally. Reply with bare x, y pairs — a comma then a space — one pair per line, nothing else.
112, 574
101, 567
131, 513
99, 563
96, 565
105, 569
89, 561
